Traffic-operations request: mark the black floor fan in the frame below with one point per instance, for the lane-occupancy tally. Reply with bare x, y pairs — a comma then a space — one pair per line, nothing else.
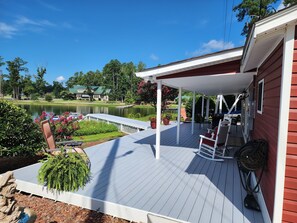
251, 157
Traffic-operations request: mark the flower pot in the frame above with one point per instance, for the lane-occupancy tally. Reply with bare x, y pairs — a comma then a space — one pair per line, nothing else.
153, 124
166, 121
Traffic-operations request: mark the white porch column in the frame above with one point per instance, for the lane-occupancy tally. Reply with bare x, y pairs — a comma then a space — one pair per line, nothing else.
207, 109
221, 104
217, 104
178, 115
193, 111
158, 129
202, 106
223, 98
236, 95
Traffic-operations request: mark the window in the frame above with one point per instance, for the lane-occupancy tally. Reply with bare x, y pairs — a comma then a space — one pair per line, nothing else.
260, 96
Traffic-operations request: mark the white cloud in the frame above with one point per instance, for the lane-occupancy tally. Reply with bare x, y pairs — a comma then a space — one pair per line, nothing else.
154, 57
22, 20
23, 23
46, 23
281, 6
60, 79
49, 6
7, 31
67, 25
212, 46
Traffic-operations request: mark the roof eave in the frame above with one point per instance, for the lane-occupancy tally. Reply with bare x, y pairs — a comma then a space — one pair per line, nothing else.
266, 26
211, 59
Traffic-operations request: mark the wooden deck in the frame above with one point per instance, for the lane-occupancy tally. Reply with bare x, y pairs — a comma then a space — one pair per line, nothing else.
128, 182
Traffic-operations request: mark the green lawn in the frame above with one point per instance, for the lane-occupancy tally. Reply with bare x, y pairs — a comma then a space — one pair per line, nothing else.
68, 102
99, 137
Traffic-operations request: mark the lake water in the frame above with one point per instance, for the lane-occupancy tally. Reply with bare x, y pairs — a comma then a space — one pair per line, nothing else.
36, 110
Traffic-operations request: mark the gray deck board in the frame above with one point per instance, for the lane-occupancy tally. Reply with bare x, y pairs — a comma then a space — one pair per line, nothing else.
192, 197
184, 191
217, 208
180, 185
210, 197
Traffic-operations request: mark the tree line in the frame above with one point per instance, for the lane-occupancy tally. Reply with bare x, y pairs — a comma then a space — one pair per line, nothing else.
117, 76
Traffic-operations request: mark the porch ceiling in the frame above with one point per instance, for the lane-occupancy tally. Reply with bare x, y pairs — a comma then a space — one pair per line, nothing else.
213, 84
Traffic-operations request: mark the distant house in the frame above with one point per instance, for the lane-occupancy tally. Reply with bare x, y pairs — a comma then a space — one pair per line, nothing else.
100, 93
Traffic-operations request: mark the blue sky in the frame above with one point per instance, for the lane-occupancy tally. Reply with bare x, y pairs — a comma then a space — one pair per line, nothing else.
75, 35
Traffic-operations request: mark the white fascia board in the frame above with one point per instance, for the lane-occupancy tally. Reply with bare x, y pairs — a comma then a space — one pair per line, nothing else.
267, 25
276, 21
192, 64
250, 46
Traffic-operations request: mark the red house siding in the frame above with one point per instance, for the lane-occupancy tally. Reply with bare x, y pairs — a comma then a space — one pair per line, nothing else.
266, 124
290, 193
230, 67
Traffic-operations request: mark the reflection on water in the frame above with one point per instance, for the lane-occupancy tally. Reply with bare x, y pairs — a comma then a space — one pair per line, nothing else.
36, 110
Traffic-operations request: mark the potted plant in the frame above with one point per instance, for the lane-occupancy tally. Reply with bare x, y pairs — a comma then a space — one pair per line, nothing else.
64, 171
153, 122
166, 119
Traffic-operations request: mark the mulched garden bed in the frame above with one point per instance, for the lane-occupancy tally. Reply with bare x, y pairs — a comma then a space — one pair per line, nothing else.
49, 211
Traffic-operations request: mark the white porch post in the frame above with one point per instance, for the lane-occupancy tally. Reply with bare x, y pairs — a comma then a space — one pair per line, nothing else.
223, 98
221, 104
217, 104
178, 116
207, 109
202, 106
193, 111
158, 129
236, 95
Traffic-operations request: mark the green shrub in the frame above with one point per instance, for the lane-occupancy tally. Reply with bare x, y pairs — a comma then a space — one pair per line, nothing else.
94, 127
67, 96
129, 98
137, 115
48, 97
64, 172
19, 135
35, 96
134, 116
131, 115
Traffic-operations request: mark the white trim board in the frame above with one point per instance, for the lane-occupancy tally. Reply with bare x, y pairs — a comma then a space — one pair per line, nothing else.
113, 209
287, 70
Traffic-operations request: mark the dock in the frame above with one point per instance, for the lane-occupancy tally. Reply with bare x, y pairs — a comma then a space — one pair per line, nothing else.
125, 125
